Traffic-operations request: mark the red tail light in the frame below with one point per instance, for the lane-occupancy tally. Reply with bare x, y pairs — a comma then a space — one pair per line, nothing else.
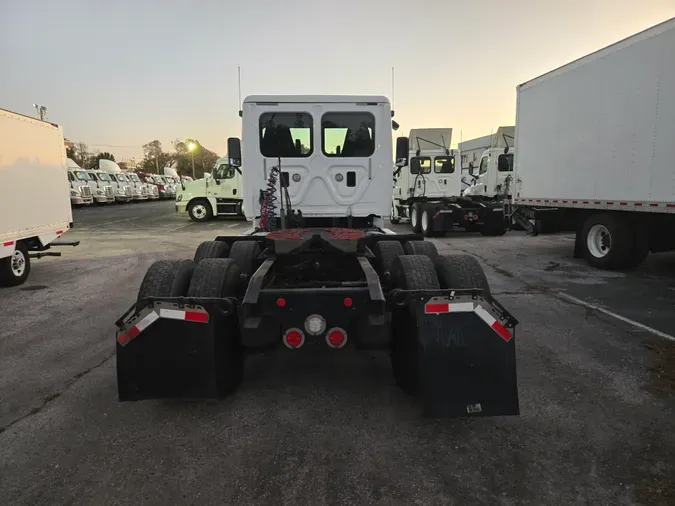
336, 337
294, 338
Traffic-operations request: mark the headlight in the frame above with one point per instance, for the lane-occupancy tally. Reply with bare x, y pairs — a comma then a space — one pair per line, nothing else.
99, 192
74, 193
179, 197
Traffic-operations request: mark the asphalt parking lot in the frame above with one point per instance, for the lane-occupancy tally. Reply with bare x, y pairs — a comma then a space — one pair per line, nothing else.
597, 392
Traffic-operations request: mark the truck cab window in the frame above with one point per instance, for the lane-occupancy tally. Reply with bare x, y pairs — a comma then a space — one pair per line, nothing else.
420, 165
224, 171
71, 177
286, 134
483, 166
444, 164
348, 134
505, 163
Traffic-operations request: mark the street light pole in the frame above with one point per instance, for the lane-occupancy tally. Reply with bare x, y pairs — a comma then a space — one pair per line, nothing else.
191, 148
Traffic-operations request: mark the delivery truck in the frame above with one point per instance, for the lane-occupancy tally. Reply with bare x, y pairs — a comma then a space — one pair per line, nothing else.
596, 150
34, 194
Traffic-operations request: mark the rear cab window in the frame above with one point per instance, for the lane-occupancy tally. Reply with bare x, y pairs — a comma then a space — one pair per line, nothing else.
348, 134
444, 164
420, 165
286, 134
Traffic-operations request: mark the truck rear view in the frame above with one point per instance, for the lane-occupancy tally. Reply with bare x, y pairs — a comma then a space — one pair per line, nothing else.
596, 151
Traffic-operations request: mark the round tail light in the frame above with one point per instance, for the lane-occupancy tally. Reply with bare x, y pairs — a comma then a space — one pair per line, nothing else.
294, 338
336, 337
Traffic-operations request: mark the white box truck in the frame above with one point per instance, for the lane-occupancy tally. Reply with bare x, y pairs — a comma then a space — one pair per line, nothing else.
34, 193
596, 150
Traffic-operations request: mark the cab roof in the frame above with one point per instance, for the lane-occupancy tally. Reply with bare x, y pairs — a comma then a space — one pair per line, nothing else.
312, 99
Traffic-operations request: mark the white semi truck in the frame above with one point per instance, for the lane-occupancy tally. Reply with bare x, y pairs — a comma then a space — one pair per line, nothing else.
34, 201
596, 150
428, 188
488, 161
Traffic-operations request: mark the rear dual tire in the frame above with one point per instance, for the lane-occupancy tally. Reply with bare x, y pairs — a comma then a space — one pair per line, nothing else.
610, 241
14, 269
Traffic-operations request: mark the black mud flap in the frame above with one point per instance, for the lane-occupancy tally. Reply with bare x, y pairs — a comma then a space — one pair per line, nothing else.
466, 354
173, 348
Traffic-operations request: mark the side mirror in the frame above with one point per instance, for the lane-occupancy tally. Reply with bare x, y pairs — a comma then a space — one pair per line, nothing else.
234, 151
394, 126
402, 151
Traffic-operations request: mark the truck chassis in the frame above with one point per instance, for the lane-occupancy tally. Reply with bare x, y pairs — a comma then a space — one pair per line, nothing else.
452, 345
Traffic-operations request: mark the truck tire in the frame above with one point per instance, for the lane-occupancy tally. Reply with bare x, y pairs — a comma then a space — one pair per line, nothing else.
167, 278
640, 248
415, 211
215, 277
460, 272
426, 221
421, 248
606, 241
412, 272
14, 269
245, 254
219, 277
385, 254
211, 249
199, 210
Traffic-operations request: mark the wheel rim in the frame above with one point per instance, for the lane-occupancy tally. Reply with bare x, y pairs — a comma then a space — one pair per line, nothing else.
18, 263
425, 220
599, 241
413, 216
199, 211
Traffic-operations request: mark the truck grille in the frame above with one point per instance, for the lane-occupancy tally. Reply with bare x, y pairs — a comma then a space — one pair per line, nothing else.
108, 191
155, 189
127, 190
85, 191
144, 189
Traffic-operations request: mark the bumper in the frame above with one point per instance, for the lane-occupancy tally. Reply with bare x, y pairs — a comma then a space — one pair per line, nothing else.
139, 196
81, 201
122, 198
181, 207
102, 199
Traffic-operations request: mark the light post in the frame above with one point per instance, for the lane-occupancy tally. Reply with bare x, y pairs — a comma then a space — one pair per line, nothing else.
191, 148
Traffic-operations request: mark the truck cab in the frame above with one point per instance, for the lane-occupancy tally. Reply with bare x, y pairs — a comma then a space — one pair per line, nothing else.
217, 194
139, 190
80, 191
149, 180
493, 177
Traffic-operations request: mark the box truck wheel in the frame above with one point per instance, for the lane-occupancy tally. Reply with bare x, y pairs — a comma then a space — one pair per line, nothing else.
606, 241
15, 268
394, 219
211, 249
460, 272
412, 272
385, 254
200, 210
420, 248
415, 217
167, 278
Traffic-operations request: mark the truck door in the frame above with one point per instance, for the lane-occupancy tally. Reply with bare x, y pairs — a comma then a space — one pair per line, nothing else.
222, 187
483, 175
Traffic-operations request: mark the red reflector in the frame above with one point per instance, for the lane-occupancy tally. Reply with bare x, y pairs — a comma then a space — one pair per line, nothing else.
502, 331
348, 302
191, 316
437, 215
466, 217
128, 336
281, 302
294, 338
475, 217
436, 308
336, 338
8, 243
59, 232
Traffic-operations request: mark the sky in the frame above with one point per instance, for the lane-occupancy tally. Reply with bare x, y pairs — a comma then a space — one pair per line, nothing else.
117, 74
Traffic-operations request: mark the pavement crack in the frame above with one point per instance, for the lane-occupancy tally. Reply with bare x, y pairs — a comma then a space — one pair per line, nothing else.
49, 398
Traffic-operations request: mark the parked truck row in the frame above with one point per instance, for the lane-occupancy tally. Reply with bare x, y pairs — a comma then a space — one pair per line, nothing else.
109, 184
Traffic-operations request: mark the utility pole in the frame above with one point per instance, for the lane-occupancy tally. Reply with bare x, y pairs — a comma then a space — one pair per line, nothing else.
157, 164
193, 164
41, 110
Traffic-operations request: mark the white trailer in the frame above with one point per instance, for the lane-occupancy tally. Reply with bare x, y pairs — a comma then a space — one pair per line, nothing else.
596, 150
35, 193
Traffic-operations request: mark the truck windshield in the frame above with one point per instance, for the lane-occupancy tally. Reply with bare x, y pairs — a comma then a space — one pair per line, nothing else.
505, 163
134, 178
103, 176
122, 178
82, 176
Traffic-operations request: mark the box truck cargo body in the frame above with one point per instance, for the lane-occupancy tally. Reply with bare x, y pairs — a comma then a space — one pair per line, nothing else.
596, 150
35, 193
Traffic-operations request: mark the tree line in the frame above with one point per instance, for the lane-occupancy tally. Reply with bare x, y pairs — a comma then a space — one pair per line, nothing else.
154, 157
